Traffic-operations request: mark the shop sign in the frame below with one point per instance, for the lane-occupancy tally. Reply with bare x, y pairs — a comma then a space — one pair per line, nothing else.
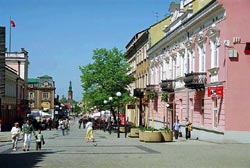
215, 91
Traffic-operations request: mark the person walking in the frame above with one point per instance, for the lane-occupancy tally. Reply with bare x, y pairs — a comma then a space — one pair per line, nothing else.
89, 133
39, 140
27, 130
62, 126
67, 125
80, 122
176, 129
188, 125
15, 134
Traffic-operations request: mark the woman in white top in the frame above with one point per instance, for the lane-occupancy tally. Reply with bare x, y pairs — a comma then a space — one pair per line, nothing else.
89, 133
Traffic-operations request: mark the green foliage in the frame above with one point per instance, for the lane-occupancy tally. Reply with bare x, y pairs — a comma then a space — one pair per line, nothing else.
104, 77
77, 109
147, 128
164, 96
166, 129
152, 95
63, 100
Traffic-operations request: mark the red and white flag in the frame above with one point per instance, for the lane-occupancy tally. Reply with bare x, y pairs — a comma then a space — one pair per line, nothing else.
12, 23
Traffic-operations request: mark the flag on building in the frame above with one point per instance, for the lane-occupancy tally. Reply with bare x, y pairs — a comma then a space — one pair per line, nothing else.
12, 23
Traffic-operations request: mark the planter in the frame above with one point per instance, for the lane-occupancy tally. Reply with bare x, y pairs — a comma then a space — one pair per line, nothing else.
141, 135
134, 132
122, 129
152, 136
167, 136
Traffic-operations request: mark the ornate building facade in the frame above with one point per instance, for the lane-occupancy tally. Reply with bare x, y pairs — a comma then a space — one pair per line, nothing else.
41, 93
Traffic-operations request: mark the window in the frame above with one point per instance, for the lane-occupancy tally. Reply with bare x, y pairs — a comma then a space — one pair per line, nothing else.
30, 85
202, 58
31, 95
45, 95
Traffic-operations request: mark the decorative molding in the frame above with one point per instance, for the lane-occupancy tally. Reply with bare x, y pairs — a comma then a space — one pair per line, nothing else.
213, 32
188, 44
200, 38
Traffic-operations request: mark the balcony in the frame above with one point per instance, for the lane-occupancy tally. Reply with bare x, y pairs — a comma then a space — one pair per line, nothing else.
195, 80
151, 87
167, 85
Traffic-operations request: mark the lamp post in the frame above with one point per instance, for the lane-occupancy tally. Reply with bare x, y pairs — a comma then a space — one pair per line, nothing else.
118, 94
111, 109
167, 124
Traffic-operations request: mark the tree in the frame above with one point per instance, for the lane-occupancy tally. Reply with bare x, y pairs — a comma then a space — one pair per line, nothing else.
63, 100
105, 76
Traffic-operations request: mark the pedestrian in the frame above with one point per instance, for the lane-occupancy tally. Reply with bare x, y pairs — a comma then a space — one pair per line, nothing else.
67, 125
0, 124
80, 122
62, 126
89, 133
176, 127
50, 123
39, 140
15, 134
27, 130
188, 128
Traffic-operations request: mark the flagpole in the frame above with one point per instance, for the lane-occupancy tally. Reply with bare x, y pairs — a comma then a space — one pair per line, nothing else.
10, 36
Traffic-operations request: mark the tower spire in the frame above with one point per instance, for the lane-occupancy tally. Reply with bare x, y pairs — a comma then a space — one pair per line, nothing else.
70, 92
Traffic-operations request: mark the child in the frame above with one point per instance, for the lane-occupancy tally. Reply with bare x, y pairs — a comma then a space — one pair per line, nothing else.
39, 140
15, 133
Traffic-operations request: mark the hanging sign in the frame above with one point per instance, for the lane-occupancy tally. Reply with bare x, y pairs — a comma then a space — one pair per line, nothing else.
215, 91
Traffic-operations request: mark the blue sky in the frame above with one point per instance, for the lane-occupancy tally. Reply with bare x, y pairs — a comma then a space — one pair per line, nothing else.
60, 35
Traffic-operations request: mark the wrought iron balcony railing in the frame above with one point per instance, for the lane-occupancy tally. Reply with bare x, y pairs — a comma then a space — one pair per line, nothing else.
195, 80
150, 87
167, 85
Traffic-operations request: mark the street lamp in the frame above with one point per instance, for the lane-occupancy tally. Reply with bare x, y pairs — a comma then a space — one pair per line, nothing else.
118, 94
167, 124
111, 109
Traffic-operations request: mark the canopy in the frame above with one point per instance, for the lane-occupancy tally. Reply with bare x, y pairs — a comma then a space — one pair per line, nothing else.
40, 113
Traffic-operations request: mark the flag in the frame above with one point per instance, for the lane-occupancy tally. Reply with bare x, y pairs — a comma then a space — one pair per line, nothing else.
12, 23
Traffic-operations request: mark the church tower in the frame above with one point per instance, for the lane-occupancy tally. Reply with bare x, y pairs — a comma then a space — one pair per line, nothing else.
70, 92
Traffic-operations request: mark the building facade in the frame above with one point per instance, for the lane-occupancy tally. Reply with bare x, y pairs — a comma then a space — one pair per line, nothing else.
13, 84
41, 93
200, 63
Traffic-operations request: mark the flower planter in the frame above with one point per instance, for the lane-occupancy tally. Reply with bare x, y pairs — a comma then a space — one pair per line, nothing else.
141, 135
122, 129
167, 136
152, 136
134, 132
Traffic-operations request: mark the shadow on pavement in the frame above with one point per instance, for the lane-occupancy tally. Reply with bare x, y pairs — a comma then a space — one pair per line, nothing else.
22, 160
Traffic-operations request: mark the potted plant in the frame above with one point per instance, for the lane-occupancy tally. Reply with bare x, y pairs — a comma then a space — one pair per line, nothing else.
141, 133
152, 135
134, 131
167, 134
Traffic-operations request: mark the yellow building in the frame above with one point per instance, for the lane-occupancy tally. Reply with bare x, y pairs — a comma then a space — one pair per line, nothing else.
41, 93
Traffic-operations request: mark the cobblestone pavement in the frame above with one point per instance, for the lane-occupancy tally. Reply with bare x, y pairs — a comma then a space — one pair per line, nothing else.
71, 151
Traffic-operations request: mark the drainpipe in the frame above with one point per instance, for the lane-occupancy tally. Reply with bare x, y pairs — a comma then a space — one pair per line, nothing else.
187, 103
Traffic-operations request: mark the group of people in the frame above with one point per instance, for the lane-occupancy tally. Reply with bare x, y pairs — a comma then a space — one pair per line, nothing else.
177, 131
26, 131
64, 125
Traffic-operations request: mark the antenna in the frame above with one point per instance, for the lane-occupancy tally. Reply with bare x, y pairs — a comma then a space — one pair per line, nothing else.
156, 16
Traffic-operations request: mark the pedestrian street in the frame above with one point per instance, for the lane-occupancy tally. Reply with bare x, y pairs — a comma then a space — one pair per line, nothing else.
108, 151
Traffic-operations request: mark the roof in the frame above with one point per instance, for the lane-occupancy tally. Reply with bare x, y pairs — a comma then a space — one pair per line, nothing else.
33, 80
